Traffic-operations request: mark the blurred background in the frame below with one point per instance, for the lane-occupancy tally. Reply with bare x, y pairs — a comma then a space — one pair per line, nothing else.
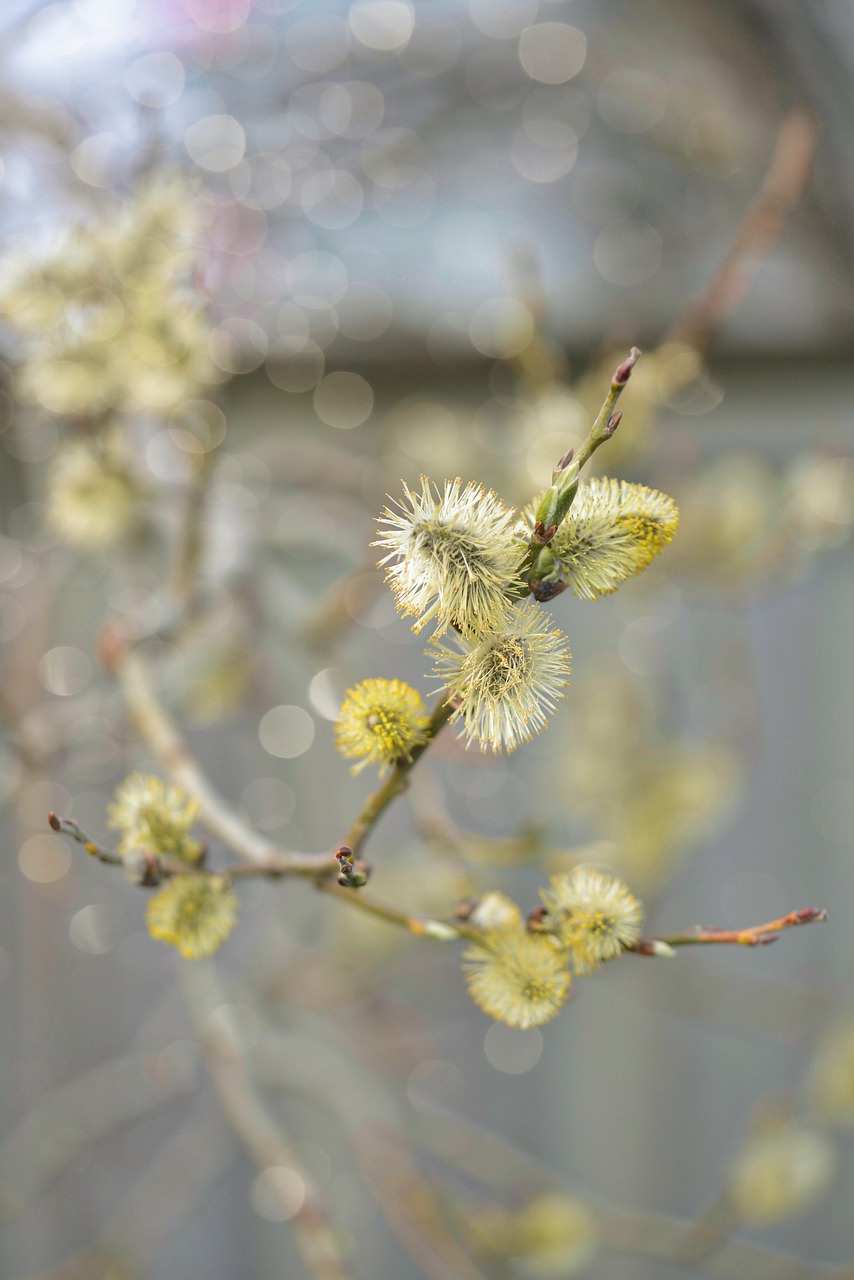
263, 260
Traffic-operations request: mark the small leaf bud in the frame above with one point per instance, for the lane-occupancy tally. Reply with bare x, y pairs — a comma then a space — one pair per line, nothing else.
624, 371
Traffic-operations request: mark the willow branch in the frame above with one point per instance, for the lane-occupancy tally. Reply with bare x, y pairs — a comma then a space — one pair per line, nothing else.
421, 926
190, 542
759, 231
756, 935
491, 1160
396, 781
107, 1097
410, 1206
261, 1134
68, 827
161, 736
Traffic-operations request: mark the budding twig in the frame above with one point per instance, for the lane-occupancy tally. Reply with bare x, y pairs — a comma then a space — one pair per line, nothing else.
607, 420
161, 736
68, 827
397, 780
261, 1133
756, 936
421, 926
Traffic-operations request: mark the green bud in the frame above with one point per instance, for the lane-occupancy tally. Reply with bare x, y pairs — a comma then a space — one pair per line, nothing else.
556, 501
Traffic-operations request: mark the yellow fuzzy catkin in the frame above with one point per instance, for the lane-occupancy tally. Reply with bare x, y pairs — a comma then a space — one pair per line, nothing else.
154, 817
193, 912
517, 977
381, 721
507, 683
614, 530
92, 496
780, 1171
452, 555
593, 915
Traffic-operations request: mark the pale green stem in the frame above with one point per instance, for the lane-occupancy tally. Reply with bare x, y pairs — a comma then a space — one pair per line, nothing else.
396, 781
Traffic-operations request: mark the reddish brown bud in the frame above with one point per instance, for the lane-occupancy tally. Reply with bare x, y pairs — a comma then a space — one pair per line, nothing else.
624, 371
613, 422
463, 910
644, 947
564, 462
541, 535
344, 851
54, 821
152, 872
543, 591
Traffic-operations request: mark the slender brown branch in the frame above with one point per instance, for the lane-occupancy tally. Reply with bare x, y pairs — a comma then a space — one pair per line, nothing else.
755, 936
708, 1234
109, 1096
489, 1159
421, 926
759, 231
162, 738
396, 781
262, 1135
68, 827
190, 540
410, 1206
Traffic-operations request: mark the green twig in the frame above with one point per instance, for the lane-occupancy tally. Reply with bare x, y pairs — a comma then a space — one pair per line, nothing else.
379, 800
605, 425
421, 926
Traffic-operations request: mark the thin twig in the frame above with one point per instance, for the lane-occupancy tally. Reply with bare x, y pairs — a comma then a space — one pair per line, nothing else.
225, 1055
68, 827
708, 1234
162, 738
410, 1205
486, 1158
537, 568
605, 425
759, 231
109, 1096
755, 936
421, 926
379, 800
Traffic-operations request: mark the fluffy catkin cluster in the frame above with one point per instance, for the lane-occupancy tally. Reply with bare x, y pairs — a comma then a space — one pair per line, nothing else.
520, 974
517, 977
454, 557
106, 314
832, 1076
154, 817
594, 916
